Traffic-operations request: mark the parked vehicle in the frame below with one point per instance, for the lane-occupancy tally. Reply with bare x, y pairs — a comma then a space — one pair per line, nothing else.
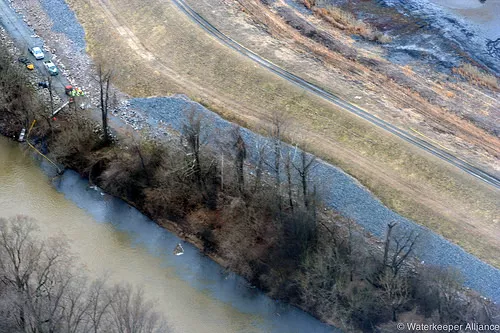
37, 53
25, 61
43, 84
22, 135
51, 67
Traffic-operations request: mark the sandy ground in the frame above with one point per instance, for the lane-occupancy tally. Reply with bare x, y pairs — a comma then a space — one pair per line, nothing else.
157, 51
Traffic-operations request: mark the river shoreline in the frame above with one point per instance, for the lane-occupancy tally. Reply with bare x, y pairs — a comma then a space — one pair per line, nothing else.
82, 167
145, 258
181, 229
192, 227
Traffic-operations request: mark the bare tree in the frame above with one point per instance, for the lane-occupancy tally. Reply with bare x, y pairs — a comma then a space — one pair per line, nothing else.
48, 117
51, 94
387, 243
19, 258
33, 269
289, 178
99, 306
104, 77
191, 134
395, 292
276, 132
260, 149
401, 248
41, 291
131, 313
303, 167
76, 307
445, 284
349, 249
241, 155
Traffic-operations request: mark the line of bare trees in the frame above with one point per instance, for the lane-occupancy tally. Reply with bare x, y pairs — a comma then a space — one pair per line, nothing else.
272, 229
41, 291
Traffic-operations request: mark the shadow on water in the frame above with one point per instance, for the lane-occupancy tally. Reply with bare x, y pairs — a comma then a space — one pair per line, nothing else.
193, 267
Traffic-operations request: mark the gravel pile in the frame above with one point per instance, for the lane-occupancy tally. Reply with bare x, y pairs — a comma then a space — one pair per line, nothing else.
339, 190
64, 21
136, 120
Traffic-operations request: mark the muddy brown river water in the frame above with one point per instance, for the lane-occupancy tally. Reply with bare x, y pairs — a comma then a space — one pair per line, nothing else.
194, 293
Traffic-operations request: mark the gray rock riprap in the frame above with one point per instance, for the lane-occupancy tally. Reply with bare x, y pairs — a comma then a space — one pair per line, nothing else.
339, 190
64, 21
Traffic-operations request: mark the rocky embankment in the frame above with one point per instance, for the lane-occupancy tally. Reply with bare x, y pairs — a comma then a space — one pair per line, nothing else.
164, 117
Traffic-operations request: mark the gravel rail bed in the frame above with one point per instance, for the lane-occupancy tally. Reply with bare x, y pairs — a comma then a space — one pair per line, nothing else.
339, 191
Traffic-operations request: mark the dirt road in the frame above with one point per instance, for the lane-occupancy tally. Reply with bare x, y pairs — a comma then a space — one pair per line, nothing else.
26, 38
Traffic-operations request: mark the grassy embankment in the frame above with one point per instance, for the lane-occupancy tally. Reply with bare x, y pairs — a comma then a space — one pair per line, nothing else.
344, 20
280, 240
477, 76
158, 51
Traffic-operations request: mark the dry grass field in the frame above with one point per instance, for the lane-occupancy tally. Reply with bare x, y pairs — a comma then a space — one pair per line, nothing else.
478, 76
155, 50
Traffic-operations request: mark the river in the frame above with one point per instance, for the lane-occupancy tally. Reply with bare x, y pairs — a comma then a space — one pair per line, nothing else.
472, 25
193, 292
484, 14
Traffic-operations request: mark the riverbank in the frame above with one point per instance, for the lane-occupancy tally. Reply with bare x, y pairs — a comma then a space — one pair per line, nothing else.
282, 241
470, 224
114, 240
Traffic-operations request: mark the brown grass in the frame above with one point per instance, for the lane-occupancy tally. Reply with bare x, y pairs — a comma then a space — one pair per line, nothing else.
340, 17
346, 21
477, 76
186, 60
